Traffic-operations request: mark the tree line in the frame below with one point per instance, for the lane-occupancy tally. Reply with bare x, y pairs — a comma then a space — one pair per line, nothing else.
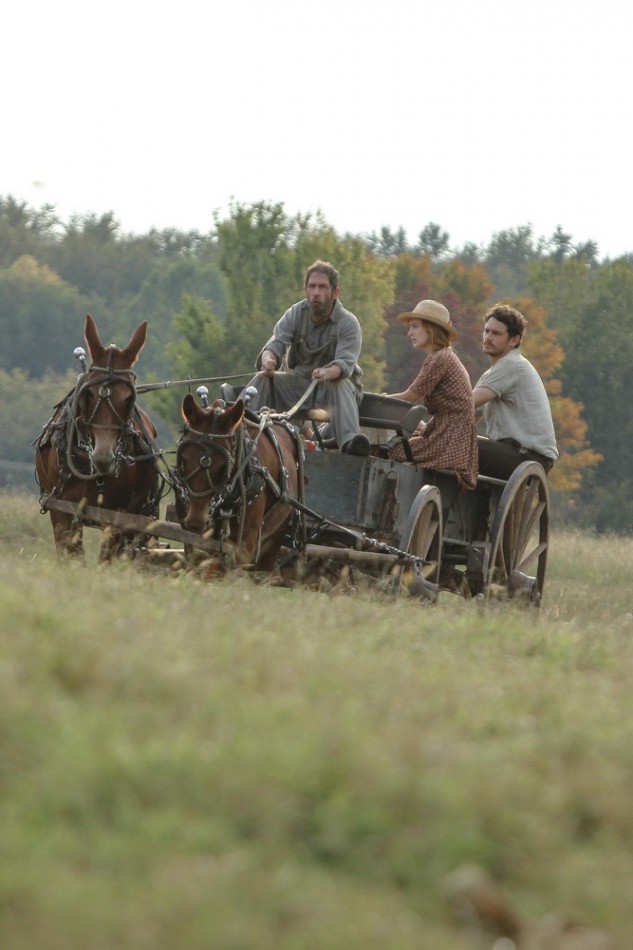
211, 300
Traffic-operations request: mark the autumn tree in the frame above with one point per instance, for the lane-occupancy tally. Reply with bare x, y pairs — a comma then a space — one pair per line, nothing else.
413, 281
464, 290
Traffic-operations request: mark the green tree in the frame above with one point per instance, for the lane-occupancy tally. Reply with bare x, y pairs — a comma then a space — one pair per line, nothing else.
257, 263
388, 243
563, 288
93, 256
160, 299
433, 241
197, 350
598, 374
36, 398
507, 258
42, 318
25, 231
264, 256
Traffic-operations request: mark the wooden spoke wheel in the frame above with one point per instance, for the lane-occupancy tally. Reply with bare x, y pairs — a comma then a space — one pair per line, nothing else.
422, 537
519, 537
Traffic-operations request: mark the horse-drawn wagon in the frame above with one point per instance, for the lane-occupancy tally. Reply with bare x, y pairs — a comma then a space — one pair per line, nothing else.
394, 522
249, 489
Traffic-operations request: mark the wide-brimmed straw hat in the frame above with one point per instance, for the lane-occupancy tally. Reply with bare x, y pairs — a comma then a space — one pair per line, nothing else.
431, 311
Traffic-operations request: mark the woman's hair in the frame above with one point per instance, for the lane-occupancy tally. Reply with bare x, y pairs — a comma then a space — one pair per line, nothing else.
439, 335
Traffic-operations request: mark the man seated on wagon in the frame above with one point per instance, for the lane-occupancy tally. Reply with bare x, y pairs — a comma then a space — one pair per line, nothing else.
316, 339
512, 400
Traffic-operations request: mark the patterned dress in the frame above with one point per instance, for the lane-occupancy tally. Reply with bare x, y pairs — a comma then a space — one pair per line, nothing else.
449, 440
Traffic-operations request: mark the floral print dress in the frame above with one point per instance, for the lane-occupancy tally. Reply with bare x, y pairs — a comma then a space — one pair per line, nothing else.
449, 440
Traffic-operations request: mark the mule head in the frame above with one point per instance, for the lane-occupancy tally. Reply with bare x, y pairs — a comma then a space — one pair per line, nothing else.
205, 455
106, 394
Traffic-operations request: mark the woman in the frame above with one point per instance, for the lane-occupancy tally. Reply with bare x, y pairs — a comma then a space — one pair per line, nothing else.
449, 439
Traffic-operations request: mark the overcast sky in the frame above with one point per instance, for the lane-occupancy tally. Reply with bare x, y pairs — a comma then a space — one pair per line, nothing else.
478, 116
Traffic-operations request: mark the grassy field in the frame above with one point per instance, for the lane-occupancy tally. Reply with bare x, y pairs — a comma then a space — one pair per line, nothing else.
223, 765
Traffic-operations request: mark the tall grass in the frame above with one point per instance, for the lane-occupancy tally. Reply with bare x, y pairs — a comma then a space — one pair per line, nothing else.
195, 765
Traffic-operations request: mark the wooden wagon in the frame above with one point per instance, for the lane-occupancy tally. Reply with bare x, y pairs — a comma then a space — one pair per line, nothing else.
416, 526
389, 520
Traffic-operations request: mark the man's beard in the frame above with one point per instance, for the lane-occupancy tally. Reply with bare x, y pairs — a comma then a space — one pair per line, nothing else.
320, 311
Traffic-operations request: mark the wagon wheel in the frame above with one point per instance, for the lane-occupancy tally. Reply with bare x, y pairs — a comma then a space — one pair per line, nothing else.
422, 537
519, 536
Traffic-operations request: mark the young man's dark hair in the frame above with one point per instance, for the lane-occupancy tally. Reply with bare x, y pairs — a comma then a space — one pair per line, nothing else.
514, 321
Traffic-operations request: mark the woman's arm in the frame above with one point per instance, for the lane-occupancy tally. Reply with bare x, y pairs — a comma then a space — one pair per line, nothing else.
407, 395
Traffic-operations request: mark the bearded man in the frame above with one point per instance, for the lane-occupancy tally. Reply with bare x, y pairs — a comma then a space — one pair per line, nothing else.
316, 339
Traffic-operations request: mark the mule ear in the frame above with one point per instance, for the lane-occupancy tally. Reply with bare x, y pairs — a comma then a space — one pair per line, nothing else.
136, 344
190, 409
93, 340
231, 417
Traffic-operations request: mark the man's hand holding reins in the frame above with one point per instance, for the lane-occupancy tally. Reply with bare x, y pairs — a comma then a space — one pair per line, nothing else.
325, 374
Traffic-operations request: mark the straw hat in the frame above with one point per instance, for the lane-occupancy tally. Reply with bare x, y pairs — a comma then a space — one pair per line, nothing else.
431, 312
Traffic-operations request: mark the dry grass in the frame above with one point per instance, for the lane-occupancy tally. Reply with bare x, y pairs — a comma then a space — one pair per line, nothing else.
220, 764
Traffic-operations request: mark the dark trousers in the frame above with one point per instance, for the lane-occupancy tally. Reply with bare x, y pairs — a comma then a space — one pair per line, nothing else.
499, 459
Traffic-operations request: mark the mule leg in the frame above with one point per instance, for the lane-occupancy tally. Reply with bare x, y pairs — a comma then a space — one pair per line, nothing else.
68, 535
114, 543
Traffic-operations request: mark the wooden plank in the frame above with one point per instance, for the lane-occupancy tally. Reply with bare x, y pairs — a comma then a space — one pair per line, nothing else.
126, 521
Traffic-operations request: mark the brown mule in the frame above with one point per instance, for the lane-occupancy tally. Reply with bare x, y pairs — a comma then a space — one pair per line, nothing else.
98, 447
234, 478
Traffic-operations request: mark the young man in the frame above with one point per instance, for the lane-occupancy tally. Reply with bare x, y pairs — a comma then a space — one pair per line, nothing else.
512, 400
316, 339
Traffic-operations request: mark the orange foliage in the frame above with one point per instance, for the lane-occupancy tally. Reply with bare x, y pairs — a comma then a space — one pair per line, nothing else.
575, 453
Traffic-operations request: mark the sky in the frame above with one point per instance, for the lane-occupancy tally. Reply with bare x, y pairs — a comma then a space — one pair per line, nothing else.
477, 116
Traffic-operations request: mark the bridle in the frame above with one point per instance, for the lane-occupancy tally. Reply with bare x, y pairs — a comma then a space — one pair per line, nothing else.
81, 425
231, 494
105, 396
243, 476
228, 448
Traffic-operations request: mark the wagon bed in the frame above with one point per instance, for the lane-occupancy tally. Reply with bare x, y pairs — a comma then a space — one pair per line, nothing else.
492, 540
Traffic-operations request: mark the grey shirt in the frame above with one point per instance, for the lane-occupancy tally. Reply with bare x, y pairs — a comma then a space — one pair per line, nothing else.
521, 410
307, 345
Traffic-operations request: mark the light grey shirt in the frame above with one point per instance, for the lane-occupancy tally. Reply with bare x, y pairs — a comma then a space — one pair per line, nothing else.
521, 410
307, 345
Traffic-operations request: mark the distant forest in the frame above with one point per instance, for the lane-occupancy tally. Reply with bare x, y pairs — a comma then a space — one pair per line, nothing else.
211, 300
